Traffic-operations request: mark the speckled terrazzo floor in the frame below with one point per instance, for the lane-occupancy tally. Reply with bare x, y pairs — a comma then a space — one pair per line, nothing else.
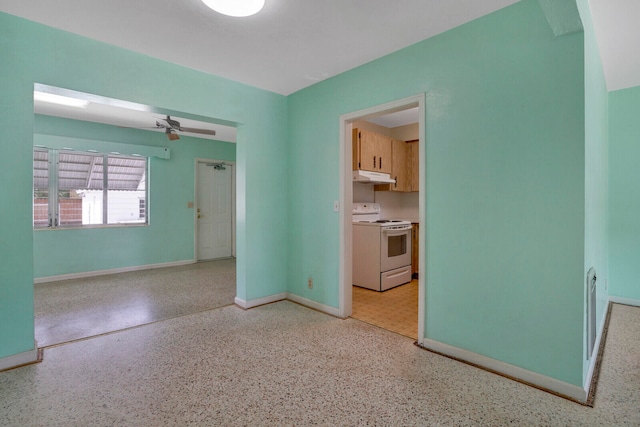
74, 309
285, 365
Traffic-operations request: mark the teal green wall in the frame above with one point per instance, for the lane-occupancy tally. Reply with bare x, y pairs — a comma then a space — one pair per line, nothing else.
596, 171
624, 228
505, 185
511, 218
171, 187
34, 53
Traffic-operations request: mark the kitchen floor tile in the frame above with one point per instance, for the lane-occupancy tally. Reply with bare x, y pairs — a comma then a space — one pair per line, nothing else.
395, 309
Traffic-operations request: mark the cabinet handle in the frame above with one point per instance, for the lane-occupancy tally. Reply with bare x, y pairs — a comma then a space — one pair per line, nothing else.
374, 162
380, 162
395, 184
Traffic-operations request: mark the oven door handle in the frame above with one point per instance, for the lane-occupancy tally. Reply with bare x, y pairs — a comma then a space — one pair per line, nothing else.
396, 232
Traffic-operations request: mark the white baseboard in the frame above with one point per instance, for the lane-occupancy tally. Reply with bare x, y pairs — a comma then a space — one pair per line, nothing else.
20, 359
95, 273
260, 301
313, 304
544, 382
288, 296
626, 301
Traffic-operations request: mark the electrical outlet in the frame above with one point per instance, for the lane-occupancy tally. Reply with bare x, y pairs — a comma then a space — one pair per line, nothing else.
310, 283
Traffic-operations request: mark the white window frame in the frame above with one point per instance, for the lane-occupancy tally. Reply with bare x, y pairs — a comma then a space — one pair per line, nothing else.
53, 206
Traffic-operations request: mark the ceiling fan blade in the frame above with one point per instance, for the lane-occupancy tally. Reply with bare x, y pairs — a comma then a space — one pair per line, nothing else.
201, 131
139, 127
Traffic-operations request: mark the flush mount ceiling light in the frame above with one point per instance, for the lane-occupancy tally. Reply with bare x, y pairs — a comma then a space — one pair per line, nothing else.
59, 99
237, 8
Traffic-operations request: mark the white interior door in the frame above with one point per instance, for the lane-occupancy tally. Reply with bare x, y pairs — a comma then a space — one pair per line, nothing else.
214, 213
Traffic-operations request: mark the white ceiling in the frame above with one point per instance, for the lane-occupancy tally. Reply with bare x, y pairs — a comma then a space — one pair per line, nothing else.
399, 118
289, 45
618, 32
292, 44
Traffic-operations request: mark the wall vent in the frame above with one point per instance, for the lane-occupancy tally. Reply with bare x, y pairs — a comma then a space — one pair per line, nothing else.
591, 311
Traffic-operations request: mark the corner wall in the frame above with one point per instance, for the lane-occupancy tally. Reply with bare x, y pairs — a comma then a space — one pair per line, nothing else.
596, 175
624, 226
505, 188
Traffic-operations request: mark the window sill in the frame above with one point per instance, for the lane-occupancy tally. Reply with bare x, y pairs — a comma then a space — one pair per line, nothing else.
93, 226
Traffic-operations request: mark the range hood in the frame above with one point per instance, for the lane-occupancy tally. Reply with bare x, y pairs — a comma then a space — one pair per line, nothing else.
369, 177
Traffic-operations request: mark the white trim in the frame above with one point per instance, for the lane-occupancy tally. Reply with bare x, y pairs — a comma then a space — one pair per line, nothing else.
626, 301
345, 253
260, 301
94, 273
20, 359
314, 305
544, 382
66, 143
346, 200
332, 311
422, 230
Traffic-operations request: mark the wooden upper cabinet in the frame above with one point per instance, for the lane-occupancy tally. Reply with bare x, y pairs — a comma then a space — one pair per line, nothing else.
400, 168
371, 151
415, 165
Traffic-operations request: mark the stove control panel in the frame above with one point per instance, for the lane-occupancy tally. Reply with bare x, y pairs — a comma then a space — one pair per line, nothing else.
365, 208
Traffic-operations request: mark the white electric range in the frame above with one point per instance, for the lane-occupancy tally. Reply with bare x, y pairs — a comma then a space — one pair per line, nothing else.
381, 249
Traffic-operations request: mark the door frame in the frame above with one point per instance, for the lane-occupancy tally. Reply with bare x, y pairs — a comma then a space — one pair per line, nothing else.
346, 201
232, 165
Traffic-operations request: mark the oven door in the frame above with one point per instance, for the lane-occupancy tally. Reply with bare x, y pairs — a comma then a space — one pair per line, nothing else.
395, 248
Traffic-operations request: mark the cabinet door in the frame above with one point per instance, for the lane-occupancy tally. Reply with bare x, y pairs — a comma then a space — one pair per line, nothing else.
373, 151
384, 151
355, 149
368, 151
415, 165
401, 170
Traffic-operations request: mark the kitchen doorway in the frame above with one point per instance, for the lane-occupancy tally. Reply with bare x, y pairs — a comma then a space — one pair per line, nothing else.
214, 215
388, 309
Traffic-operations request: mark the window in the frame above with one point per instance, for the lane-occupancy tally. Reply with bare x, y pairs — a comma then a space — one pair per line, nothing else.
74, 189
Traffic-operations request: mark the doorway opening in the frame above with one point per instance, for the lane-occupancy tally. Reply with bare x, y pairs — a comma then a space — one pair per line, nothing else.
122, 257
389, 180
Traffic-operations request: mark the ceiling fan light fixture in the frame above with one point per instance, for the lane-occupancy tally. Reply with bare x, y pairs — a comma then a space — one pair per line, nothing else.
236, 8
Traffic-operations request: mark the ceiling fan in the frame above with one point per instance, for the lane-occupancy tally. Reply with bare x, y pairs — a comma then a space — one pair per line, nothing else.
172, 127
